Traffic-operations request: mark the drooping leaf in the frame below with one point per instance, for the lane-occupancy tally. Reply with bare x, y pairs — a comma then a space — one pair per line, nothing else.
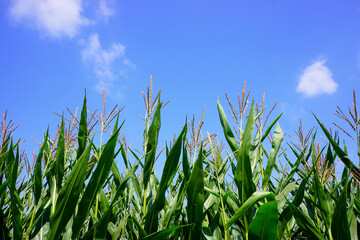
253, 199
230, 138
281, 197
305, 223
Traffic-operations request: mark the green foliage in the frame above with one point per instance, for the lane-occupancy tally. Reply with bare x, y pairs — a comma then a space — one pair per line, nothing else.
77, 190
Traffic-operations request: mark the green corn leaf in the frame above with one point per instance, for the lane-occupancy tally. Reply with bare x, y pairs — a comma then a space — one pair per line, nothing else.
179, 203
281, 197
96, 181
340, 228
102, 224
295, 167
123, 154
325, 204
195, 197
44, 229
185, 162
82, 135
37, 170
173, 211
276, 143
16, 215
116, 173
101, 228
170, 168
270, 127
353, 226
253, 199
151, 145
256, 154
164, 234
342, 155
5, 145
104, 201
212, 192
344, 176
264, 225
3, 186
305, 223
243, 174
60, 156
329, 158
141, 231
285, 216
68, 196
136, 185
230, 138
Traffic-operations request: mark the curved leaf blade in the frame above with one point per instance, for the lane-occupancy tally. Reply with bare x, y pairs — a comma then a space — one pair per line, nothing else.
151, 145
264, 225
170, 168
305, 223
68, 196
340, 228
251, 201
276, 143
96, 181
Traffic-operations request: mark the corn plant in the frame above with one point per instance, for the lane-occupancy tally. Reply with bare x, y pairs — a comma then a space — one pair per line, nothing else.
256, 186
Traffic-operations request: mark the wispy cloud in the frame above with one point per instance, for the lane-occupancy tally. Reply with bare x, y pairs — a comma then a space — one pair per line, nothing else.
128, 63
104, 62
104, 10
56, 18
316, 80
65, 18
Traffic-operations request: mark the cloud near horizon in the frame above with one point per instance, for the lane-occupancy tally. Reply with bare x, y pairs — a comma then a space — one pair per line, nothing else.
52, 17
316, 80
104, 62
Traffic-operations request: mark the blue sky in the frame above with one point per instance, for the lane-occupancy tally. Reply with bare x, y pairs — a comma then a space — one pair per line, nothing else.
304, 55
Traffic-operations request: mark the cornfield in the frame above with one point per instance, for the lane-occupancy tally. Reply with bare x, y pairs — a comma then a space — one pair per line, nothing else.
253, 186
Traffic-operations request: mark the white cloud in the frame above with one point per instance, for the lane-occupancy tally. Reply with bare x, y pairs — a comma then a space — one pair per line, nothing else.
56, 18
104, 10
104, 62
316, 80
128, 63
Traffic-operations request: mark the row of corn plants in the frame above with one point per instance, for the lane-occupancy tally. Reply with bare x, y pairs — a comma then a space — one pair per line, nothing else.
255, 186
